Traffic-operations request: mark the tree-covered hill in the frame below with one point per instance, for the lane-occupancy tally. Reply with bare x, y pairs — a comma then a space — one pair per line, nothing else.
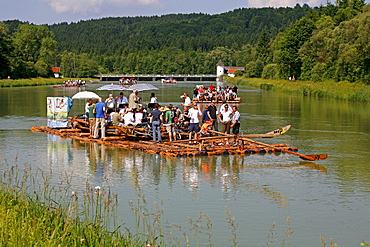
188, 32
323, 43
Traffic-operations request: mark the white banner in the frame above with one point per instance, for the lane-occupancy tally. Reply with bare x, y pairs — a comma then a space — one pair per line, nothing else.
57, 111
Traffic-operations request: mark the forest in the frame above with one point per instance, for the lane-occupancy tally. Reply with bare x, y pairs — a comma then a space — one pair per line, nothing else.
321, 43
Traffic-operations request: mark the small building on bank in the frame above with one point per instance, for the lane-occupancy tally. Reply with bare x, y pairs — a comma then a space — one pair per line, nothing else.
227, 70
56, 71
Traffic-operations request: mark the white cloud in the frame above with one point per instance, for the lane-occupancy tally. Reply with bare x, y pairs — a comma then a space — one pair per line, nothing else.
92, 6
283, 3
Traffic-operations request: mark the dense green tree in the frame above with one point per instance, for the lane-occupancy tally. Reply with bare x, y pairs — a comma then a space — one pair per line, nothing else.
250, 69
5, 51
289, 42
262, 47
271, 71
338, 52
85, 66
68, 64
221, 53
244, 55
33, 45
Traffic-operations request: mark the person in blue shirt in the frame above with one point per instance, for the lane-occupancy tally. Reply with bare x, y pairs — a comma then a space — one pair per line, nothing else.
100, 119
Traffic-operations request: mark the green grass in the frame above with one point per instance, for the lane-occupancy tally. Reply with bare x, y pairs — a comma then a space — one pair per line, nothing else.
35, 214
35, 81
354, 92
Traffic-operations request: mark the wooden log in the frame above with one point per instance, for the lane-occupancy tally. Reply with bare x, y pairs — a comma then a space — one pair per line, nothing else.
172, 149
112, 138
70, 130
84, 134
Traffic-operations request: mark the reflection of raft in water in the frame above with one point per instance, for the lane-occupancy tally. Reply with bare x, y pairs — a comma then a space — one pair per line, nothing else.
130, 138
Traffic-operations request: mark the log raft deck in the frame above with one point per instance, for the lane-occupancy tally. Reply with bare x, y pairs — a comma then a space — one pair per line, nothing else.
215, 145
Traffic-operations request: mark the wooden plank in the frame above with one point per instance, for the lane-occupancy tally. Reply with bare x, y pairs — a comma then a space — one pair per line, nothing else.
70, 130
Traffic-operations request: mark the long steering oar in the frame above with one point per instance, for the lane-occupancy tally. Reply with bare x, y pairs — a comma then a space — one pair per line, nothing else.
270, 134
312, 157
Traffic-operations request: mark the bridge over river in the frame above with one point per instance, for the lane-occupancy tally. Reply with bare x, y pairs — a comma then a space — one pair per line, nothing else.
116, 77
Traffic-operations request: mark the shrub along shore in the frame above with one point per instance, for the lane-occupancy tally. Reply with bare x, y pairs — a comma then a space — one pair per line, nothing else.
354, 92
31, 82
37, 81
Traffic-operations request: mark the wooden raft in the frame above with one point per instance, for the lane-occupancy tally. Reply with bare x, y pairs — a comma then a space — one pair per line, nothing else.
211, 146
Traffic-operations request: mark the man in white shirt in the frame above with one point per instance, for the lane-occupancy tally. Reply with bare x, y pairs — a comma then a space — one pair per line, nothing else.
187, 100
129, 118
225, 117
194, 114
87, 106
110, 101
235, 122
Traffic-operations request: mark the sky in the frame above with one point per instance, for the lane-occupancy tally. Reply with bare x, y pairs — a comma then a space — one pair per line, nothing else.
57, 11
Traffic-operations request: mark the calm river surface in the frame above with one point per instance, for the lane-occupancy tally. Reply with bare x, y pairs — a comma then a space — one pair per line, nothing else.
329, 198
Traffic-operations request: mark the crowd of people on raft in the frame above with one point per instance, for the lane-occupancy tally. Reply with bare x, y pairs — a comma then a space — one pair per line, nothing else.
127, 81
74, 83
213, 93
131, 112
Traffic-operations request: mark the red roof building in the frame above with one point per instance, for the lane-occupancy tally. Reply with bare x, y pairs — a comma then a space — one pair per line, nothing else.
55, 69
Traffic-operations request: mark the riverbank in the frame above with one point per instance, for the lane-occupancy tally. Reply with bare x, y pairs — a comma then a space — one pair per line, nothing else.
354, 92
36, 81
48, 216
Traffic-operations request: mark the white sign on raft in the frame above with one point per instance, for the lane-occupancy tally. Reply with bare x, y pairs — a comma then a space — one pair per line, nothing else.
57, 111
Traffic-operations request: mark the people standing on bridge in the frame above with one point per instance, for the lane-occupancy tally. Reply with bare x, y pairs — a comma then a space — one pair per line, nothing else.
100, 119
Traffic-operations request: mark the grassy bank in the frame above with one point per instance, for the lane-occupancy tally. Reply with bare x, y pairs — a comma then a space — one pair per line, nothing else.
26, 222
34, 213
30, 82
36, 81
354, 92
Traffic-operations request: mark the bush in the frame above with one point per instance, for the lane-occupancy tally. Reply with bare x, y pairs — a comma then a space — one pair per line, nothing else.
270, 71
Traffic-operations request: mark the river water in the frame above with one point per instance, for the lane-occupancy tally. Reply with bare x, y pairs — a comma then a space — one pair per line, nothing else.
251, 200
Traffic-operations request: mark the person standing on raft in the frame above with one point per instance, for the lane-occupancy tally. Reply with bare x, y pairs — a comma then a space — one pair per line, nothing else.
100, 118
194, 114
235, 122
156, 115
